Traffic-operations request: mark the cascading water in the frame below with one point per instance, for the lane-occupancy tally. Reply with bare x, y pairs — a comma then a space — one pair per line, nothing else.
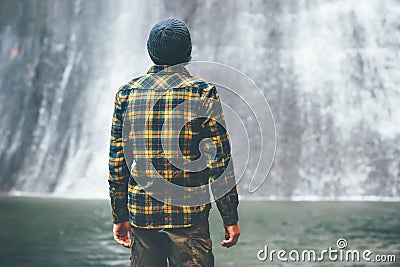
330, 70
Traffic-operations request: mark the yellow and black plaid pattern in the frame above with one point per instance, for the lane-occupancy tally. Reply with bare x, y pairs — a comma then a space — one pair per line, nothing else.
139, 101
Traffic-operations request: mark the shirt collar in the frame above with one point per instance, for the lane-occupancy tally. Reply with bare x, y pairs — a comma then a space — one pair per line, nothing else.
168, 69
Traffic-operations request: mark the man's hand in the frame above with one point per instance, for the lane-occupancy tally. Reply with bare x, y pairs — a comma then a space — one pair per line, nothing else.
121, 232
232, 233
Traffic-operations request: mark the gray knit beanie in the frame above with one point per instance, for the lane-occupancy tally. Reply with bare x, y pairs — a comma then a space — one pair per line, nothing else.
169, 42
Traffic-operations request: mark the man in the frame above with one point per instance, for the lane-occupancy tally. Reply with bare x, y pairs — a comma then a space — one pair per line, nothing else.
157, 229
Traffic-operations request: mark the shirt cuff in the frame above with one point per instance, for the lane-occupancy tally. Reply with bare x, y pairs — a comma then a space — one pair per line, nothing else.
120, 211
231, 219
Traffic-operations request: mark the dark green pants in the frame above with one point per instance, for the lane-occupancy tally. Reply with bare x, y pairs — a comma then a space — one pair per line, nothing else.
187, 246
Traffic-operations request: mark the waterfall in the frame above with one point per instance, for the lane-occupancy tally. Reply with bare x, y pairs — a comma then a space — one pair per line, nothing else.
329, 69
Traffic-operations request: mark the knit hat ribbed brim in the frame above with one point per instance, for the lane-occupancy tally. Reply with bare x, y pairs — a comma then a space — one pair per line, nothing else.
169, 42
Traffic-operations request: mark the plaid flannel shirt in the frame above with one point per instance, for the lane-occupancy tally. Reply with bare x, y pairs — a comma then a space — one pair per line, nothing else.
128, 199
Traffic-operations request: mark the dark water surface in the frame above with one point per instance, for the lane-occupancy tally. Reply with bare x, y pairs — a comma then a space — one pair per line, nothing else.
60, 232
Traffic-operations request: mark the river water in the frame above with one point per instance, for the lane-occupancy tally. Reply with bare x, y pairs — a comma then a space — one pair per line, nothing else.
63, 232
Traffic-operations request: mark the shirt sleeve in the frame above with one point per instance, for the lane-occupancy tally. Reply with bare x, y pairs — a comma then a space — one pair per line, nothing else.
221, 173
118, 170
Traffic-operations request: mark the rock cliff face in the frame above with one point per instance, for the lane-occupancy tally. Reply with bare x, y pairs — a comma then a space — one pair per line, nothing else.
329, 69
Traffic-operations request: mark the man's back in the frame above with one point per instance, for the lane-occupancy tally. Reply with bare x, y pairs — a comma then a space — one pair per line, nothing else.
161, 130
157, 162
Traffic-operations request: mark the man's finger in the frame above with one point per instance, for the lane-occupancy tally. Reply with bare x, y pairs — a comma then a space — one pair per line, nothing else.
122, 240
236, 239
227, 243
233, 239
118, 240
126, 243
